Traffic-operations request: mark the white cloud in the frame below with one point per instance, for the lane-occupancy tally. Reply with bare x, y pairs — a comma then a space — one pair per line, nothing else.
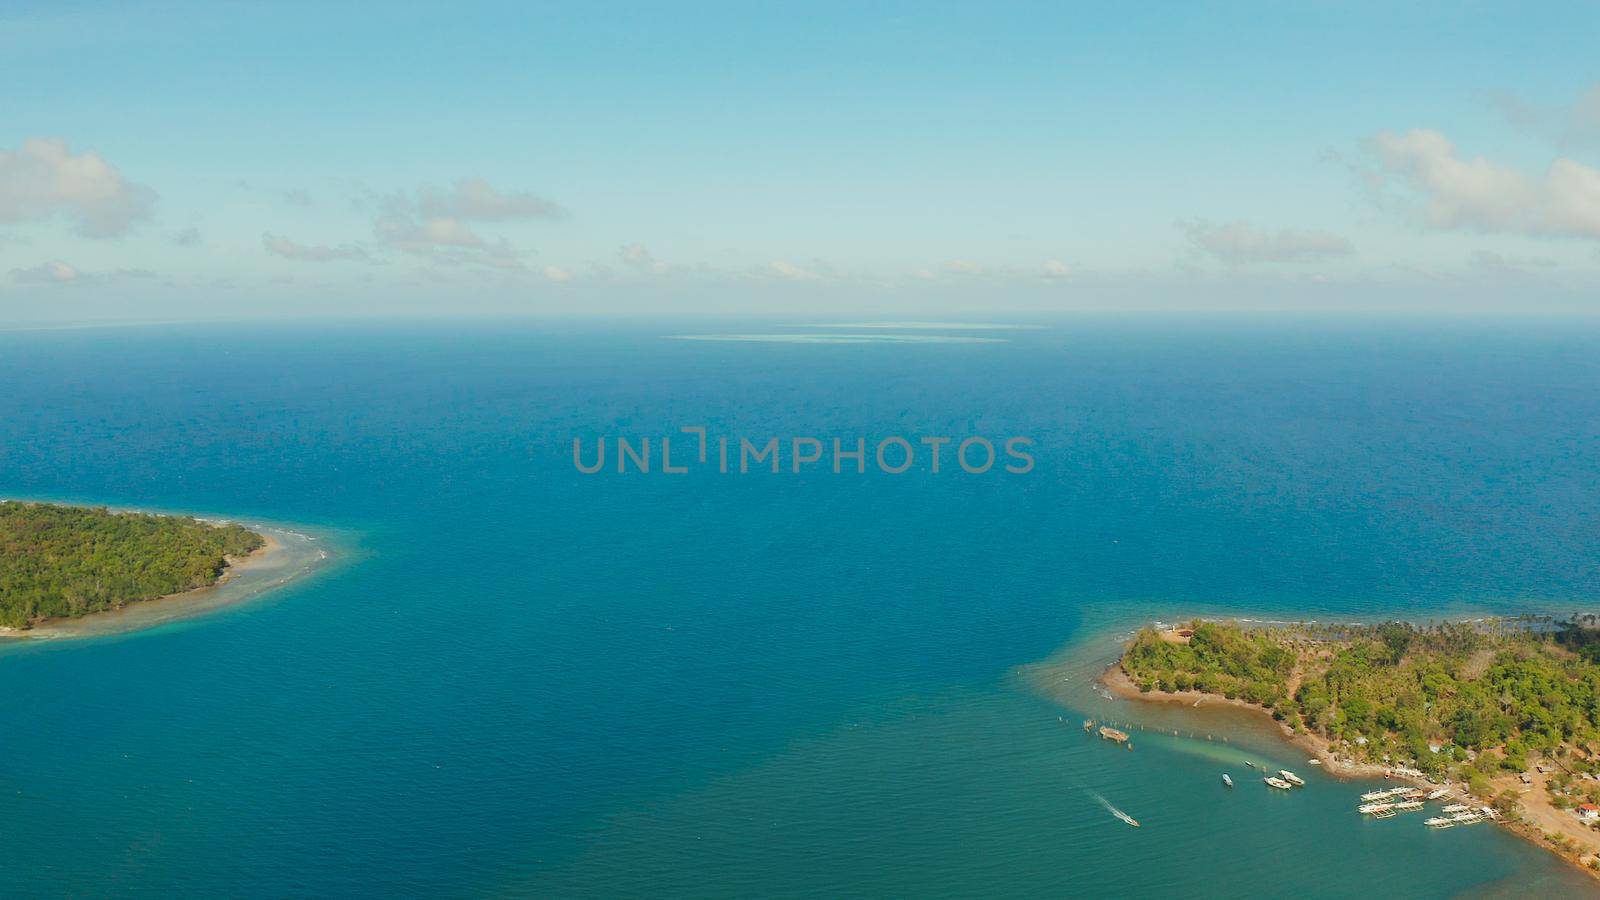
435, 222
282, 246
636, 256
1055, 268
403, 232
792, 272
54, 272
63, 273
557, 274
1569, 125
43, 180
477, 200
1238, 243
1492, 261
963, 267
1451, 192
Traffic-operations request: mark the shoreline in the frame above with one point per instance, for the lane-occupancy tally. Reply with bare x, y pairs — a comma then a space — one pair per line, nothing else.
285, 556
1538, 812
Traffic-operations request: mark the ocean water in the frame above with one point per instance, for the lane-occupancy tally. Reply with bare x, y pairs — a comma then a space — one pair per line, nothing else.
514, 679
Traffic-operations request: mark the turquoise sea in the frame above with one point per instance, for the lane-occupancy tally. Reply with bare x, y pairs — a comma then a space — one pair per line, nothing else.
512, 679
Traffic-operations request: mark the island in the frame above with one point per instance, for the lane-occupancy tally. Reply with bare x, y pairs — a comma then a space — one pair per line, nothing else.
68, 561
1504, 713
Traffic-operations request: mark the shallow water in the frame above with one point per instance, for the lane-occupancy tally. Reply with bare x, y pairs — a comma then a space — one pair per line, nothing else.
523, 680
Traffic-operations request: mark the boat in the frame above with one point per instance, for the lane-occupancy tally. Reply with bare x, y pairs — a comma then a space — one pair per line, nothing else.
1440, 822
1456, 808
1250, 764
1374, 795
1371, 808
1408, 806
1440, 794
1314, 762
1466, 818
1279, 783
1227, 780
1291, 777
1384, 814
1112, 734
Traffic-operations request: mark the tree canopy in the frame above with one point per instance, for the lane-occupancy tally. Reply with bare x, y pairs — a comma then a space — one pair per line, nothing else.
65, 561
1455, 698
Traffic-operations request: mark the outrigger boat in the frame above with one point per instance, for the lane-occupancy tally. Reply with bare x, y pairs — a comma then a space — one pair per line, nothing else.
1408, 806
1457, 808
1374, 808
1440, 822
1440, 794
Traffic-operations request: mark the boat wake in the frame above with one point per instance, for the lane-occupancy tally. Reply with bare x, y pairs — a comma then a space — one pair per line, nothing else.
1114, 811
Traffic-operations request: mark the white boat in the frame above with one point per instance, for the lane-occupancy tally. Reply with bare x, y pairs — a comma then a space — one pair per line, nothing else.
1466, 818
1408, 806
1456, 808
1279, 783
1227, 780
1371, 808
1374, 795
1291, 777
1439, 794
1440, 822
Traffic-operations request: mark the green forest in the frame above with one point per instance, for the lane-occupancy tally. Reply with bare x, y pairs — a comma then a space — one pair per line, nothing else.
64, 561
1463, 699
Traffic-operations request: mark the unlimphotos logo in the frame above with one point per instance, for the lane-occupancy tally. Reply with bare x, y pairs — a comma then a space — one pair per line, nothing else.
892, 455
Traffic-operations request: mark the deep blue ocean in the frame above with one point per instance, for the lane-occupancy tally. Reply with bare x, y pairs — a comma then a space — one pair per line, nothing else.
515, 679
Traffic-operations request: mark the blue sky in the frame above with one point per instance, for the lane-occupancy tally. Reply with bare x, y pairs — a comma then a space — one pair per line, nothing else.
176, 160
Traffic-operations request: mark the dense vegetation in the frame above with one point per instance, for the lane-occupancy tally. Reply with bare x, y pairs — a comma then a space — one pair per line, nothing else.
67, 561
1469, 700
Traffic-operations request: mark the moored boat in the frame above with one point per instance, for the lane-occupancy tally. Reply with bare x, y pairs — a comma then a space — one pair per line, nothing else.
1371, 808
1112, 734
1408, 806
1279, 783
1440, 822
1440, 794
1291, 777
1227, 780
